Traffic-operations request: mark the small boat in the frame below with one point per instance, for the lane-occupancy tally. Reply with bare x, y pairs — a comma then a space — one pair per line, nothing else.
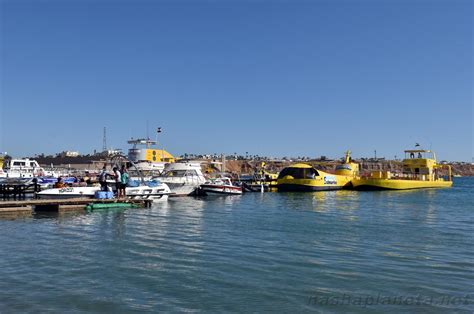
69, 192
304, 177
260, 178
420, 170
222, 186
48, 182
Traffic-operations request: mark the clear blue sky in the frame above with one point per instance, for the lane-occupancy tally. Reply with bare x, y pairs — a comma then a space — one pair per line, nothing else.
281, 78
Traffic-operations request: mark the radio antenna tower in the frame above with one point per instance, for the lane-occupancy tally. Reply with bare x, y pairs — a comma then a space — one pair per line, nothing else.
104, 140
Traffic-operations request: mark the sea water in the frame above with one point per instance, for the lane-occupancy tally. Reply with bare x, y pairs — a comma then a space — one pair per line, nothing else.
323, 252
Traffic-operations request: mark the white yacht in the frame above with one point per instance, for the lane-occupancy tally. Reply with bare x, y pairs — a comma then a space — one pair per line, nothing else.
23, 168
183, 178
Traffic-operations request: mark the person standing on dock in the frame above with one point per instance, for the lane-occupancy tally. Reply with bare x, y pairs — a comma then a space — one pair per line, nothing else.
118, 181
103, 179
123, 180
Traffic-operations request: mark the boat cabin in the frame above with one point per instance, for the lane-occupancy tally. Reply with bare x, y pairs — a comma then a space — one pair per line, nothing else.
420, 163
147, 153
22, 168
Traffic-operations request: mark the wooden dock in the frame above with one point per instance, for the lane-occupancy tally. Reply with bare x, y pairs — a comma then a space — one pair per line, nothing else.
59, 205
18, 190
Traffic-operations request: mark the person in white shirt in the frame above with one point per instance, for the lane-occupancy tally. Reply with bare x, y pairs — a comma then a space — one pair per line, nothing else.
118, 181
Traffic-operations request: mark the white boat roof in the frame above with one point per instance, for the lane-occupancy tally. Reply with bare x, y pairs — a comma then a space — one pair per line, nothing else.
183, 166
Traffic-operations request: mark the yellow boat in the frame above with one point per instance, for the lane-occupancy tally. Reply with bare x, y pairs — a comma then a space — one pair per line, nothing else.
304, 177
420, 170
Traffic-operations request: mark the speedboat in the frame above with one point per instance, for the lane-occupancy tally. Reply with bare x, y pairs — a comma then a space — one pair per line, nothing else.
420, 170
222, 186
304, 177
183, 178
48, 182
69, 192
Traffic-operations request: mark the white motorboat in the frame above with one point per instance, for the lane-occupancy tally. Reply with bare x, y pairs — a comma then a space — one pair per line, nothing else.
222, 186
156, 191
24, 168
69, 192
183, 178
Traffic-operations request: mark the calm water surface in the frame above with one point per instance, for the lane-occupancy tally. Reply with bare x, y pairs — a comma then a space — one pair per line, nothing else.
322, 252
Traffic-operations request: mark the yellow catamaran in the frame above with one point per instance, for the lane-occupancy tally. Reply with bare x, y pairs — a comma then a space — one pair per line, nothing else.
420, 170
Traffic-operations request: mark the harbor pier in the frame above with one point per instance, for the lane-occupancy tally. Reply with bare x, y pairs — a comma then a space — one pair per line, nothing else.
18, 191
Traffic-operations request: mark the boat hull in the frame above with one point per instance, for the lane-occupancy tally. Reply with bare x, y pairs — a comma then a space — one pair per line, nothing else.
305, 188
159, 193
181, 189
325, 182
395, 184
68, 192
221, 189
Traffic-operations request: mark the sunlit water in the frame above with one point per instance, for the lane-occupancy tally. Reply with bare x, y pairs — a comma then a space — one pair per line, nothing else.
338, 251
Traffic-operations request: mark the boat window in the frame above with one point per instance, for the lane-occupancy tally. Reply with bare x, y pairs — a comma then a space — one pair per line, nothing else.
310, 173
19, 163
191, 173
299, 173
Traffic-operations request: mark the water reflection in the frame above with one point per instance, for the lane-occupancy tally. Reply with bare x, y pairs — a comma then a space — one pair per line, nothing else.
226, 201
271, 251
186, 212
335, 200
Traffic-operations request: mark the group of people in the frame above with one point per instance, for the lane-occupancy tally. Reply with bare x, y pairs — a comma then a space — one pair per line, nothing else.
120, 177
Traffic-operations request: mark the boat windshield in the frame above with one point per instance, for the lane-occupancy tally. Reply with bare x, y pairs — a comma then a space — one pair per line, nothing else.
411, 154
299, 173
174, 173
